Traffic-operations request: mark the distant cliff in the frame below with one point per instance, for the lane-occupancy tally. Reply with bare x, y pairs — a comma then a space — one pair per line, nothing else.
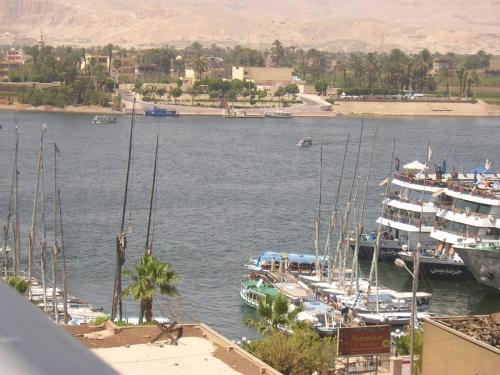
446, 25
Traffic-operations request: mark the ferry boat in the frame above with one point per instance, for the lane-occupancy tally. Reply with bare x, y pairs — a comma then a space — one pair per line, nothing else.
278, 114
160, 112
104, 119
295, 263
305, 142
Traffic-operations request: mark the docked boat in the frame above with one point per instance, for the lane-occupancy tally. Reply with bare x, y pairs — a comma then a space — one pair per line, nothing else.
470, 225
436, 265
278, 114
324, 318
160, 112
409, 213
104, 119
483, 261
295, 263
305, 142
255, 287
235, 113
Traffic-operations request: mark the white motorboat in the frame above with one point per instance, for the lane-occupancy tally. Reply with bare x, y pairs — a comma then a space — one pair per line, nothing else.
305, 142
278, 114
103, 119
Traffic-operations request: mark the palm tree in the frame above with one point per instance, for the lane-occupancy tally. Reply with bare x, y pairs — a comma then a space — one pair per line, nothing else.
461, 75
147, 277
200, 66
273, 312
447, 74
278, 52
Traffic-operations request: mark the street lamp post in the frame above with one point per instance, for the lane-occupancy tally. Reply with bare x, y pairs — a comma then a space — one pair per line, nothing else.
401, 264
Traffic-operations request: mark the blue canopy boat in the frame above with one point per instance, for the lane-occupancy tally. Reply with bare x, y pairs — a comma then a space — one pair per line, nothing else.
157, 111
294, 262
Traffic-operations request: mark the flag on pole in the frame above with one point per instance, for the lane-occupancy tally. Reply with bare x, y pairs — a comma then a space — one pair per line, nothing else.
397, 163
429, 153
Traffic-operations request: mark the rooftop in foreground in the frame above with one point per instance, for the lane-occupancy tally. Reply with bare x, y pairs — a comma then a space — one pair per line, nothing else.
199, 350
483, 328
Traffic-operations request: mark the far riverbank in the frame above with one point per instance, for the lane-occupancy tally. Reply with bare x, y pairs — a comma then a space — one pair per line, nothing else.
347, 109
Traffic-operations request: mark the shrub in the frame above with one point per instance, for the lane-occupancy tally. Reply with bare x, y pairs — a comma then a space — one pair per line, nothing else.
19, 284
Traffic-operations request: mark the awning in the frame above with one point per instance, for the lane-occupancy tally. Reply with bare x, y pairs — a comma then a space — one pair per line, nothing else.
415, 165
438, 192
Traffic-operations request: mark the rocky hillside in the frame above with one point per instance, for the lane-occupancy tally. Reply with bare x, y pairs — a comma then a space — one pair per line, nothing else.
445, 25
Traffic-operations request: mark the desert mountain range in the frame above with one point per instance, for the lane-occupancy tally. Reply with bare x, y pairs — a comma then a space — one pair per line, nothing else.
461, 26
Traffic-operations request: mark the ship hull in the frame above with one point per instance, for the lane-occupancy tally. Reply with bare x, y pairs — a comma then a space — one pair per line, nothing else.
484, 265
435, 268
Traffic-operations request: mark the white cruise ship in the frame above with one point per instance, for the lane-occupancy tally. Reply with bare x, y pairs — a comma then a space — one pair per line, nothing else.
471, 221
410, 208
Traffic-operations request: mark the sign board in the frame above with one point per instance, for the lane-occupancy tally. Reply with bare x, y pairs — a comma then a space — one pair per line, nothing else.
364, 340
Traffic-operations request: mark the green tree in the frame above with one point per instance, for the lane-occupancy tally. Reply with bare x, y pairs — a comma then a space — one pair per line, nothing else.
321, 87
261, 94
200, 66
300, 354
292, 89
404, 348
446, 75
176, 92
278, 53
273, 312
149, 276
279, 93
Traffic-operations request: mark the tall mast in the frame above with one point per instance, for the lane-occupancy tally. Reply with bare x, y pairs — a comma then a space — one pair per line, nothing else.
149, 245
43, 240
346, 225
121, 238
63, 276
17, 244
416, 265
6, 226
359, 227
333, 218
55, 249
31, 237
318, 218
376, 250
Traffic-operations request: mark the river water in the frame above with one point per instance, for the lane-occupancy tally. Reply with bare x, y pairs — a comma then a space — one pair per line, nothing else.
227, 188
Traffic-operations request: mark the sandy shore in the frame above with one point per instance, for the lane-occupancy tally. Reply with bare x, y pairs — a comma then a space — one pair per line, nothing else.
18, 107
415, 109
355, 109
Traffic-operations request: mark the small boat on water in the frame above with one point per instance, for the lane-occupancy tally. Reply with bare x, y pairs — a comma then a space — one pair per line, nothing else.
104, 119
234, 113
278, 114
305, 142
160, 112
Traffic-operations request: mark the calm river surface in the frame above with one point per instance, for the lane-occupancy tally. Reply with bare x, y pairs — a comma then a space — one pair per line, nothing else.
227, 188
